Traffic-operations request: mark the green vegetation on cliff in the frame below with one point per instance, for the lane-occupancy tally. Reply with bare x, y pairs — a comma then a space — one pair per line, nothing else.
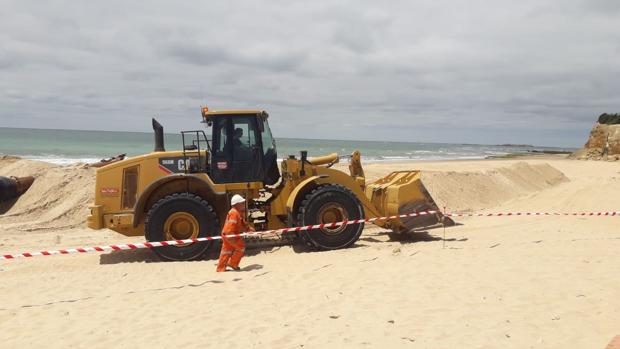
609, 119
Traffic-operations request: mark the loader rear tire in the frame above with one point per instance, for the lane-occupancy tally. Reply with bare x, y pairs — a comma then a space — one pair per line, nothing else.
181, 216
327, 204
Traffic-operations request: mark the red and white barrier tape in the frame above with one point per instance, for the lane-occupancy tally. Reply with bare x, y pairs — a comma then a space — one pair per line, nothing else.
203, 239
287, 230
498, 214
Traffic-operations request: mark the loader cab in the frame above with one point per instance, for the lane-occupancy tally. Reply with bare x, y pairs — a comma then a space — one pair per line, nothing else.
243, 149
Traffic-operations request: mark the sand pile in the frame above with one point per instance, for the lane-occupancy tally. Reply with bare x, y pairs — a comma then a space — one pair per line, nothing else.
58, 198
474, 191
60, 195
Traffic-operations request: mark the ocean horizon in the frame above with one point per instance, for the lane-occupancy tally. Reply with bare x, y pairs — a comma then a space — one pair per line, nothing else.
66, 147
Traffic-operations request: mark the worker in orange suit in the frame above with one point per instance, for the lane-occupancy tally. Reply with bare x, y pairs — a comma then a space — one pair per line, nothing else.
233, 247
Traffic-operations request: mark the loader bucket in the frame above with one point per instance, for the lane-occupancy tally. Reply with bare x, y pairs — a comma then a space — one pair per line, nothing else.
402, 192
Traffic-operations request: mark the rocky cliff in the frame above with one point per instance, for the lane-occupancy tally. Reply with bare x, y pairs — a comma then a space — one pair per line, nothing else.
604, 141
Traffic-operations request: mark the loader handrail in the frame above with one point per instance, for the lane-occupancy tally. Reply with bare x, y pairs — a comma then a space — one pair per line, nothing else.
202, 166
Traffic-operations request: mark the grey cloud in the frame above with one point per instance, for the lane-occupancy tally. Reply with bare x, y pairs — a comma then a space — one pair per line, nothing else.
273, 59
396, 70
197, 55
603, 6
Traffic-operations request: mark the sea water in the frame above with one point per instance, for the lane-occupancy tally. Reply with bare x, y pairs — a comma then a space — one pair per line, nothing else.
72, 146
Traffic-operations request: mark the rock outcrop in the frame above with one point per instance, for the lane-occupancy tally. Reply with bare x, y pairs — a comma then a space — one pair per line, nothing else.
604, 141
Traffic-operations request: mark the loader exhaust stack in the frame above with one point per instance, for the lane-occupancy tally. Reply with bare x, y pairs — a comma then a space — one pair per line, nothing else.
159, 136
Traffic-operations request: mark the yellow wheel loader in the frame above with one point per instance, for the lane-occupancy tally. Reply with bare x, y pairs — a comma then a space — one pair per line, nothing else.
184, 194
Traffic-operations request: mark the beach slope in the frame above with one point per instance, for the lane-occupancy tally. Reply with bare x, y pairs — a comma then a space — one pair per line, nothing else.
494, 282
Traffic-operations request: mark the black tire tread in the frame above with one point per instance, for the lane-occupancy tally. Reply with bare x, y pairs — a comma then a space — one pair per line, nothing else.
180, 196
310, 196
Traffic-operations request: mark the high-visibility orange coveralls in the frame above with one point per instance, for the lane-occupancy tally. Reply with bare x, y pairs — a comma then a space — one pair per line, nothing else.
233, 248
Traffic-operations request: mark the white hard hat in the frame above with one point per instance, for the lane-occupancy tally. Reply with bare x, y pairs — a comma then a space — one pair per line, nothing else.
236, 199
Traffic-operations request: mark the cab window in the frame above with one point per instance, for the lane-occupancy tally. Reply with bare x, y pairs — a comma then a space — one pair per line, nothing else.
243, 140
237, 156
221, 139
268, 143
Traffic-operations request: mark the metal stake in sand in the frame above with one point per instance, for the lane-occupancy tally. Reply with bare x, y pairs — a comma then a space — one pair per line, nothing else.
443, 222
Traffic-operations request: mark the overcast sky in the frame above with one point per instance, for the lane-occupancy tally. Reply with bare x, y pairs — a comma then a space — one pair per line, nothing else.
529, 71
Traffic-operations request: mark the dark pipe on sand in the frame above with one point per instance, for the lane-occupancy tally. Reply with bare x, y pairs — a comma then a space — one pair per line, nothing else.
12, 187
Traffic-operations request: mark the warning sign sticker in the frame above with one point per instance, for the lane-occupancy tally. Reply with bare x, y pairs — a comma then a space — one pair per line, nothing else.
110, 191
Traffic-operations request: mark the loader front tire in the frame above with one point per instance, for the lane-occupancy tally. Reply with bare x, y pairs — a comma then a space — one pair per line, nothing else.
327, 204
181, 216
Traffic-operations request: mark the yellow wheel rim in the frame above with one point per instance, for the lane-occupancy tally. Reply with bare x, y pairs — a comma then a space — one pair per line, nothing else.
330, 213
181, 226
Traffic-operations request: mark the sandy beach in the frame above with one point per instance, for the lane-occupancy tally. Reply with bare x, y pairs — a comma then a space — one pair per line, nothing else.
495, 282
